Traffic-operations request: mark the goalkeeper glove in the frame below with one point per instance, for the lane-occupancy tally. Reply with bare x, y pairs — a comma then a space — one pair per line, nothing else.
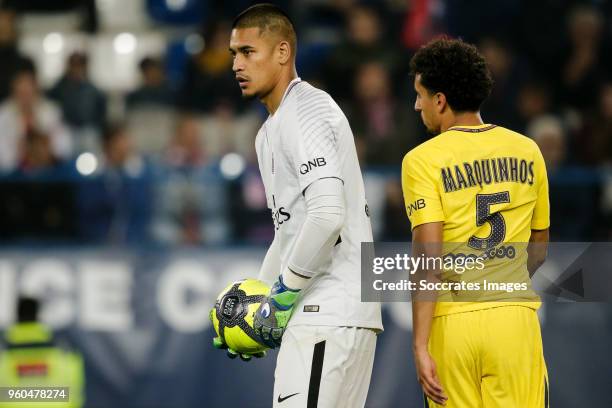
273, 314
218, 343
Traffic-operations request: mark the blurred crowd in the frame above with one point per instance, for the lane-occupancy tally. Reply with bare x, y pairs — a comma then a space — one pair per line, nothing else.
175, 163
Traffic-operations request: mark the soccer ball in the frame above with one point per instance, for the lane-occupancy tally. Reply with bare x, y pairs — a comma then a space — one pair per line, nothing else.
234, 312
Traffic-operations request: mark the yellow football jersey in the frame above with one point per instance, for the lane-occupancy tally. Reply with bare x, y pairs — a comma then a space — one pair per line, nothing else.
488, 185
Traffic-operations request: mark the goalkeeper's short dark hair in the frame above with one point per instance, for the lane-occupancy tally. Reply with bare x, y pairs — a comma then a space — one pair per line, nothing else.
456, 69
268, 17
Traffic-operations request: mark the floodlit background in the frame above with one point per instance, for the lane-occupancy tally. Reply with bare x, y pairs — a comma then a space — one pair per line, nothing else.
130, 193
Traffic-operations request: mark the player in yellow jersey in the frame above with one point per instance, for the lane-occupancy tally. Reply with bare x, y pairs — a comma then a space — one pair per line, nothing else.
485, 186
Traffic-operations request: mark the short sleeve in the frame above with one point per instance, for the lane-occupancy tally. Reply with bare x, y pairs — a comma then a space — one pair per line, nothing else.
315, 149
541, 211
421, 196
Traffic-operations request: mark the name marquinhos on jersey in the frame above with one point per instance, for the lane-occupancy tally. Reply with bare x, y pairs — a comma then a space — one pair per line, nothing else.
487, 171
279, 215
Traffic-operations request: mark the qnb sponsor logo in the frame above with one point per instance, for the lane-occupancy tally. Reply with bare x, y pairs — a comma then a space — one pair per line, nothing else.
311, 164
415, 206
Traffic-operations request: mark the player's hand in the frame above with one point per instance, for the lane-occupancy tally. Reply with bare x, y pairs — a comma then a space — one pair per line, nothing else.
220, 344
274, 313
428, 377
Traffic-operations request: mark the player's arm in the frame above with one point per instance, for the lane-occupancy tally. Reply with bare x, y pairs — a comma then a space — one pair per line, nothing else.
426, 215
270, 266
537, 250
427, 242
540, 220
325, 212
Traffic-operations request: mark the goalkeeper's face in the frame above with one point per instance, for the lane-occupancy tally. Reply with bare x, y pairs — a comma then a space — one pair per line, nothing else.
256, 64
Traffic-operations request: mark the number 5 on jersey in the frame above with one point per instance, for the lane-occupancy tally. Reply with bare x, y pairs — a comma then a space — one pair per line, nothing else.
496, 220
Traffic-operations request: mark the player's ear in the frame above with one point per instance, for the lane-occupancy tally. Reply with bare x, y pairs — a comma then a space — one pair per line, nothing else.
440, 100
284, 52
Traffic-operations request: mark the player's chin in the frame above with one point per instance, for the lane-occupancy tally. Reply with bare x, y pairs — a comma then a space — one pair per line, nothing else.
248, 94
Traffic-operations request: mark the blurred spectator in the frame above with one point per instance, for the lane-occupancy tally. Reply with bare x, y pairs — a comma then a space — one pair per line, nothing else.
115, 204
320, 20
36, 153
473, 20
185, 149
226, 132
537, 32
422, 22
34, 359
9, 55
36, 205
581, 70
548, 133
83, 105
250, 215
209, 81
533, 100
507, 71
191, 194
396, 224
572, 191
24, 111
87, 9
154, 90
119, 154
387, 127
364, 43
595, 137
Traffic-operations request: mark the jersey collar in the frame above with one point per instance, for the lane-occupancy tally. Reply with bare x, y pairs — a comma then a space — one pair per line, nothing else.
473, 129
293, 83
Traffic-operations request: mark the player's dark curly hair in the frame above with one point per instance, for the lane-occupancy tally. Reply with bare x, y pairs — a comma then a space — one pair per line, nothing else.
457, 70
